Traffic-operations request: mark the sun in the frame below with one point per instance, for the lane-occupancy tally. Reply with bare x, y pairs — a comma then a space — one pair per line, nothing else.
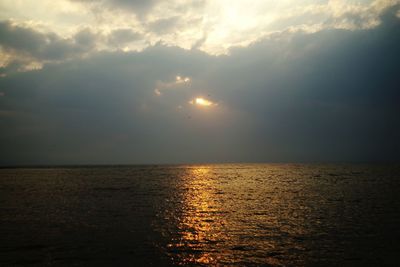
200, 101
203, 102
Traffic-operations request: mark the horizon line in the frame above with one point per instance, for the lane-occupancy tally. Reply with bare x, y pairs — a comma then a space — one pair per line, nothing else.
82, 165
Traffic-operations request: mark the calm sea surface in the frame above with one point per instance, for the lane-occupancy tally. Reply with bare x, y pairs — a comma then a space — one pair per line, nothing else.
229, 214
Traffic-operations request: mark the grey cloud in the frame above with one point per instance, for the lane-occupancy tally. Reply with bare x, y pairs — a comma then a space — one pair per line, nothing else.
199, 42
136, 5
327, 96
85, 38
359, 18
123, 36
164, 25
12, 67
43, 46
142, 7
139, 7
20, 38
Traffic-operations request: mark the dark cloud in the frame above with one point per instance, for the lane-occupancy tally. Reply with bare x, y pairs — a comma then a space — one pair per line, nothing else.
85, 38
135, 5
328, 96
12, 67
28, 42
121, 37
19, 38
199, 42
164, 25
139, 7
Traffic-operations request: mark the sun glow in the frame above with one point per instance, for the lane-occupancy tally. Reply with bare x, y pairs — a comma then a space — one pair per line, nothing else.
202, 102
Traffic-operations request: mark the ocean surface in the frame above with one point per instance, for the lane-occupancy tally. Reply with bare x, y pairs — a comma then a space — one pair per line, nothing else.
227, 214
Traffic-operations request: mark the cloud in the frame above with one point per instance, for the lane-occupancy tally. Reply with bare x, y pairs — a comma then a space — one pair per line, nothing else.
178, 82
120, 37
325, 96
211, 26
197, 44
137, 6
162, 26
23, 39
26, 45
85, 38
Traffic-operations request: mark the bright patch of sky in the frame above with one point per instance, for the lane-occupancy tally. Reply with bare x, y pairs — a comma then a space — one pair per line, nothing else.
211, 26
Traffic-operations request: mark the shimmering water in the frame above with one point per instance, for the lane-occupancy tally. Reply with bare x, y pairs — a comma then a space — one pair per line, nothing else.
239, 214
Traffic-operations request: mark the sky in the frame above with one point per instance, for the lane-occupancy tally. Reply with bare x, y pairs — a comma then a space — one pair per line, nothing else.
198, 81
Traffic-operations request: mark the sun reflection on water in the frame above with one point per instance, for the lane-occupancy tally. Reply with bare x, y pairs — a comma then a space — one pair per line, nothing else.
227, 214
203, 221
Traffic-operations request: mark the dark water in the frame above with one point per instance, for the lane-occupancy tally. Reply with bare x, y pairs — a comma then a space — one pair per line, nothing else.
244, 215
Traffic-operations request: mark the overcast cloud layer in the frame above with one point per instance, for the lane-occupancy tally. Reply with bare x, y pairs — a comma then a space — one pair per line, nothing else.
308, 87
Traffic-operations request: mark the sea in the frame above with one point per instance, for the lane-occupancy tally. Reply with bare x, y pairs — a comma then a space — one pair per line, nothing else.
201, 215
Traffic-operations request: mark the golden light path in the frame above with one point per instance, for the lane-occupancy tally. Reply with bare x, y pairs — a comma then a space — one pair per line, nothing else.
228, 214
203, 223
